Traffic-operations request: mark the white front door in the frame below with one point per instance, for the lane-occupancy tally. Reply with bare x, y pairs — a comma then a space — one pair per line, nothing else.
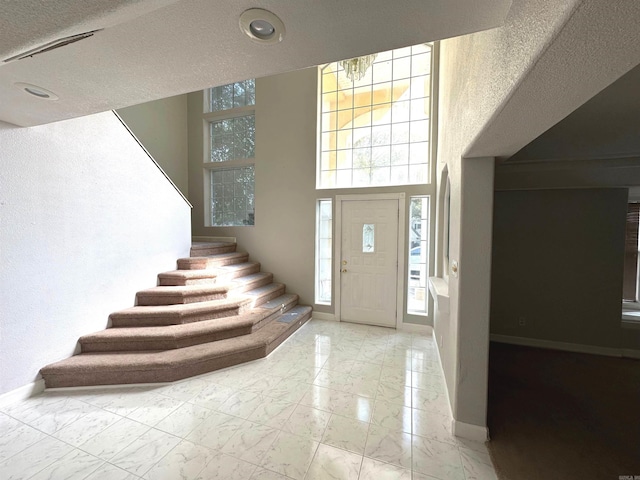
369, 263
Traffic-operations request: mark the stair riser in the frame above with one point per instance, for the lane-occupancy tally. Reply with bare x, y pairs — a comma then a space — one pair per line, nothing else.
204, 251
182, 282
197, 263
266, 297
156, 300
148, 321
224, 277
287, 306
250, 286
120, 345
287, 333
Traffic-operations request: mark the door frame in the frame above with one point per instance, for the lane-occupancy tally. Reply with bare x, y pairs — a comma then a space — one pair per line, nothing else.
400, 197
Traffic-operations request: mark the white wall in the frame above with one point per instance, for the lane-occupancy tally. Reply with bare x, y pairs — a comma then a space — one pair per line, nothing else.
161, 126
557, 264
87, 219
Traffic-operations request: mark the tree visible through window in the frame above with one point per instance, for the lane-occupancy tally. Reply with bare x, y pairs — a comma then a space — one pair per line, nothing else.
375, 131
229, 110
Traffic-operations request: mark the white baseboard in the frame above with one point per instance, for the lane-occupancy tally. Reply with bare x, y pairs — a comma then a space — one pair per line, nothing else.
470, 432
324, 316
415, 328
22, 393
565, 346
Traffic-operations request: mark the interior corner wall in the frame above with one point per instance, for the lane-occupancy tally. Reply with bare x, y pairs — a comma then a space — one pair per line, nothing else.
86, 220
557, 265
478, 73
283, 237
161, 126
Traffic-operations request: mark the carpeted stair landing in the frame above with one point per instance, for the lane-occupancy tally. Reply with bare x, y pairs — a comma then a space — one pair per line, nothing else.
217, 310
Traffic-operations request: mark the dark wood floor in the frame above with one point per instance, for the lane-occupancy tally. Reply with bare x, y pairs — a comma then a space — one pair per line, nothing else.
560, 415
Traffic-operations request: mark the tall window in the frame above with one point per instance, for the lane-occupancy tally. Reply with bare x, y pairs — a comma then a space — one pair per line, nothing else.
418, 256
375, 131
324, 225
230, 117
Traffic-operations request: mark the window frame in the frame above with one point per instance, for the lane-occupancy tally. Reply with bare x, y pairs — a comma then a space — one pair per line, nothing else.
428, 240
317, 280
431, 127
208, 166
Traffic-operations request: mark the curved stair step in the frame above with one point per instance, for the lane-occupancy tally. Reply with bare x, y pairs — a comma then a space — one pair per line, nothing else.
167, 337
202, 249
184, 335
177, 278
171, 365
201, 263
222, 274
173, 295
147, 316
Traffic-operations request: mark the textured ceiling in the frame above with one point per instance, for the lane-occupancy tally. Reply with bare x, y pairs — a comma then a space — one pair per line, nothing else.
605, 127
152, 49
599, 43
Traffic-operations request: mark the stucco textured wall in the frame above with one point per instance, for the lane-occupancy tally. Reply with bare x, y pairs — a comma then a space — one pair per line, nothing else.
477, 75
87, 219
500, 89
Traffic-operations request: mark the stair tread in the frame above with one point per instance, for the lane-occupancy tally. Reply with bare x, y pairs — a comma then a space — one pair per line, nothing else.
210, 273
237, 266
189, 273
189, 329
181, 309
197, 245
132, 361
169, 331
216, 256
184, 289
263, 289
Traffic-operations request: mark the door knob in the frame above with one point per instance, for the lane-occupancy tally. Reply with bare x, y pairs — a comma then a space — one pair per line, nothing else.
344, 270
344, 262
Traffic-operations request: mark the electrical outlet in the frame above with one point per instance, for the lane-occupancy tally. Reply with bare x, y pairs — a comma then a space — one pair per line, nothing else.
522, 322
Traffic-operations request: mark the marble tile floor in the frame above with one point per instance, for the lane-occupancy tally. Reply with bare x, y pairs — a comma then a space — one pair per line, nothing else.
335, 401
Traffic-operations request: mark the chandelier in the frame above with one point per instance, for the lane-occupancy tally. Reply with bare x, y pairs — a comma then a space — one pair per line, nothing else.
355, 68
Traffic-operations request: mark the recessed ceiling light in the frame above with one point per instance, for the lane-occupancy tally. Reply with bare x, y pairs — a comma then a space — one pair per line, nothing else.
36, 91
262, 26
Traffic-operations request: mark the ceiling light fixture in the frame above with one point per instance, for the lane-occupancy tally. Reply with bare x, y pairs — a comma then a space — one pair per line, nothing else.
356, 68
36, 91
262, 26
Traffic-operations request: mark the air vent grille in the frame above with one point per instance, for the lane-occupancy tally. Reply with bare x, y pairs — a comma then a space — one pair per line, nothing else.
61, 42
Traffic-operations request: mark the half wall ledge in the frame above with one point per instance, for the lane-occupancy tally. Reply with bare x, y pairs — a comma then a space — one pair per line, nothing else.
439, 290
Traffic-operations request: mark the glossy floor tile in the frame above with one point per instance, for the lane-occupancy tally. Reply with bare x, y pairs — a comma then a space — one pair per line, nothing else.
335, 401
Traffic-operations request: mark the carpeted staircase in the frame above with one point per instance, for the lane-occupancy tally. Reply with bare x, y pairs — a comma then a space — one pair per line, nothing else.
215, 311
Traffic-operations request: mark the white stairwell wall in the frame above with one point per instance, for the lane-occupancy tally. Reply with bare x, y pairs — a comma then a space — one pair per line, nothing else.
86, 220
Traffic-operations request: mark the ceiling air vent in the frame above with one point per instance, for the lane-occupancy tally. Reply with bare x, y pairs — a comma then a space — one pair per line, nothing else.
61, 42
